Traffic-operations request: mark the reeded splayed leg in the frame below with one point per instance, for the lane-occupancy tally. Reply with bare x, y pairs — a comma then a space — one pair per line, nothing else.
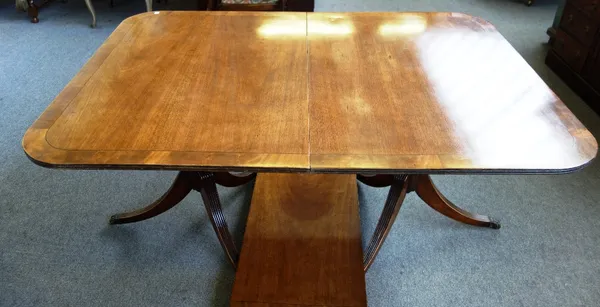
208, 189
399, 188
426, 190
432, 197
205, 183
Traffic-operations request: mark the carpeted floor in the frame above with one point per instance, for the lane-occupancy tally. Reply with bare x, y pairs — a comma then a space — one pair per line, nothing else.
56, 248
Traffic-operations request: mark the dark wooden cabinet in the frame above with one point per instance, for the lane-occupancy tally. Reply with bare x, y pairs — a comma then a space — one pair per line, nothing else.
279, 5
575, 53
592, 74
579, 25
300, 5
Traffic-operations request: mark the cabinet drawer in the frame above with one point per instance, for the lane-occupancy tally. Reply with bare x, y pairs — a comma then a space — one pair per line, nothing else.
570, 50
580, 26
589, 7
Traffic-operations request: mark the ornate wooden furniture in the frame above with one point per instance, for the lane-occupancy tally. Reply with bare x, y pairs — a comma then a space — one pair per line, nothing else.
262, 5
33, 9
392, 97
575, 53
248, 5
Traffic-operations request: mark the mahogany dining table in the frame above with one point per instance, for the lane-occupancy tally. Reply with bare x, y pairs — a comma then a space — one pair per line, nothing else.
311, 102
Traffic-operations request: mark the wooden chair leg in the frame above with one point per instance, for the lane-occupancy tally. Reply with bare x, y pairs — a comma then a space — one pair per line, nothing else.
90, 7
32, 11
432, 197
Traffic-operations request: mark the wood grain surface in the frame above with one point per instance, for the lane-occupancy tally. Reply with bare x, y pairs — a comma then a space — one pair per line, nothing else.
432, 91
184, 89
302, 243
320, 92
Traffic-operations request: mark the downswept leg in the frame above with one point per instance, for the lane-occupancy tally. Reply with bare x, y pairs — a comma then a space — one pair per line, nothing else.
205, 183
426, 190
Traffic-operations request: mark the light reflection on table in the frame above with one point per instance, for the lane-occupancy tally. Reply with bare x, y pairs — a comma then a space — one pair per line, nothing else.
501, 111
291, 28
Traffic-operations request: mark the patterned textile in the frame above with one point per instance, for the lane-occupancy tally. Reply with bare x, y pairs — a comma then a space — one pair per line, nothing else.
21, 5
249, 1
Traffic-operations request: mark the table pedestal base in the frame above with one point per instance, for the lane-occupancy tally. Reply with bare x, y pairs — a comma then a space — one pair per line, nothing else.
426, 190
400, 185
205, 183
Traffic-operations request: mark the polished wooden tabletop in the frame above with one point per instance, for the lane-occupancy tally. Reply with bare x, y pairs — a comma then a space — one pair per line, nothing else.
432, 91
321, 92
183, 90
